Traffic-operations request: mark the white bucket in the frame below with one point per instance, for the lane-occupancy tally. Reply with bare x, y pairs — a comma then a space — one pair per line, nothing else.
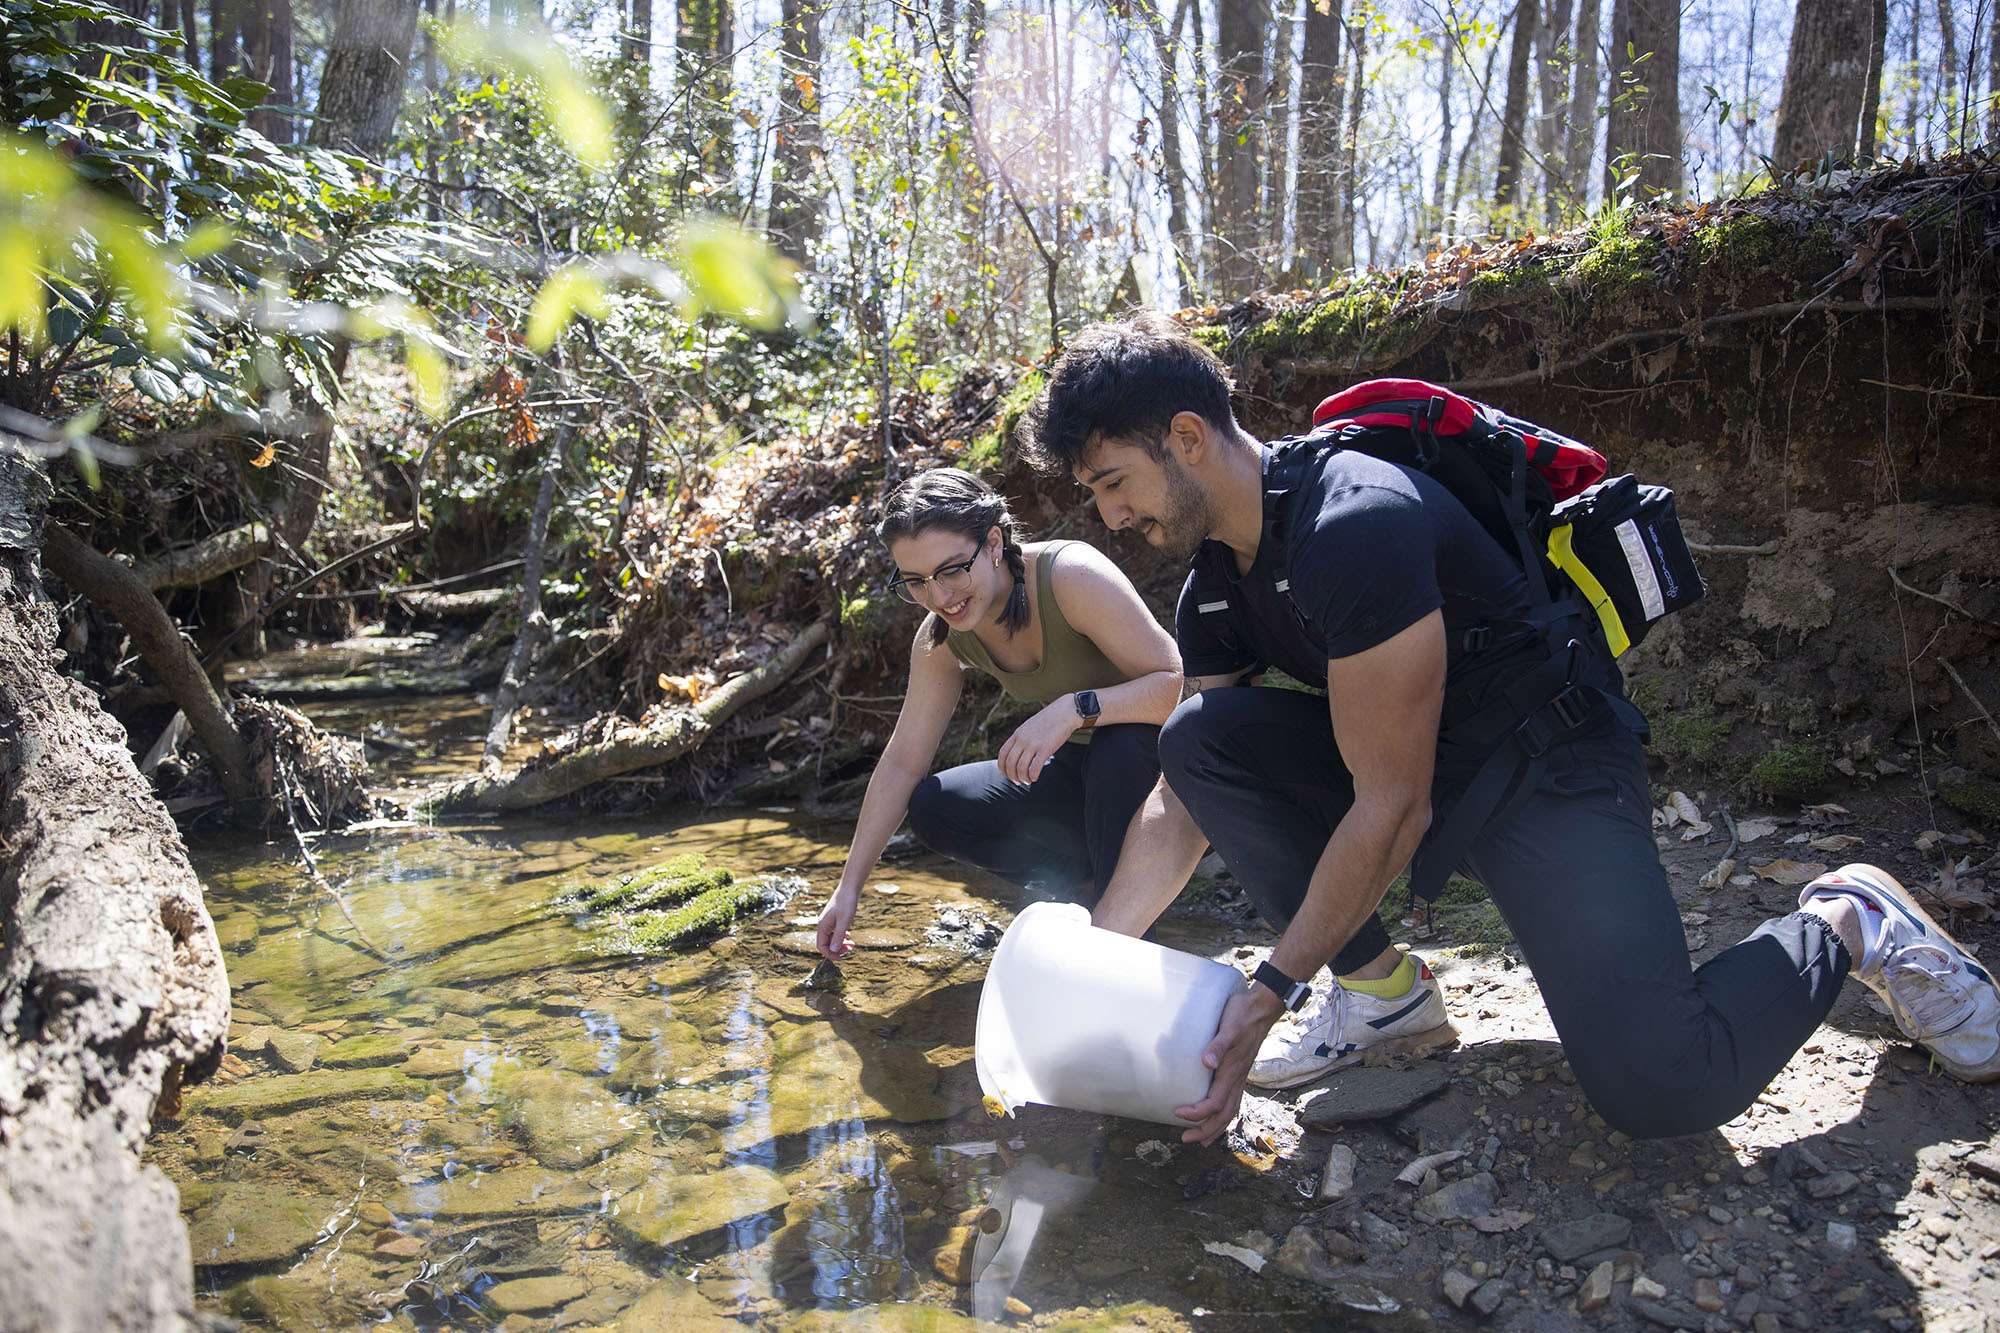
1075, 1016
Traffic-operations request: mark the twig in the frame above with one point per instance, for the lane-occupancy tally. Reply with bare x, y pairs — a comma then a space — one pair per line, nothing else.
1706, 548
312, 867
1935, 393
1959, 680
1941, 600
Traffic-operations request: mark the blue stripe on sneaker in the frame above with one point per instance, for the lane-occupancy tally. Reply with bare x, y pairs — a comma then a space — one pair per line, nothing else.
1404, 1012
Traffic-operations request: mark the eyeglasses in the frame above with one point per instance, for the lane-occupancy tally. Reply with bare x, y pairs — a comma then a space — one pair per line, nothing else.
949, 580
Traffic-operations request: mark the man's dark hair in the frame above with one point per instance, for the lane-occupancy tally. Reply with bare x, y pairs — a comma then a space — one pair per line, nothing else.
1123, 381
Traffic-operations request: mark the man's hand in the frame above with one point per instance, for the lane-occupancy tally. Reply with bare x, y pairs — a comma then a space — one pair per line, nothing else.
1245, 1020
1037, 739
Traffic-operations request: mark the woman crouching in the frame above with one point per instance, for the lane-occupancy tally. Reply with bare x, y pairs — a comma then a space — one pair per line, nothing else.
1056, 624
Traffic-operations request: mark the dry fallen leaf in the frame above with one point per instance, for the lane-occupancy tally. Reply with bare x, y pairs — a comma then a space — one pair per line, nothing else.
1749, 830
1836, 842
1684, 806
1790, 872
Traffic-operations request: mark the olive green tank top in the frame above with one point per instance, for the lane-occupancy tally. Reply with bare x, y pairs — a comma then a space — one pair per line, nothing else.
1070, 661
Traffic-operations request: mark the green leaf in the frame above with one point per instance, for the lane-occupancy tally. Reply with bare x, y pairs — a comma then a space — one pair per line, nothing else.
154, 385
728, 270
65, 325
20, 292
571, 288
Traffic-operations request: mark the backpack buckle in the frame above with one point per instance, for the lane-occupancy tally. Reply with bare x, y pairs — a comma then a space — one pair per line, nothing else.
1476, 639
1553, 722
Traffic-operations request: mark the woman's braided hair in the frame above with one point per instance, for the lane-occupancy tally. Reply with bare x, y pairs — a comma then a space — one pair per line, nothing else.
956, 501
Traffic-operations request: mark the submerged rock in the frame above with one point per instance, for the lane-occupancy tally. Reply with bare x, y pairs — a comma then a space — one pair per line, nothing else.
295, 1052
673, 1302
567, 1120
531, 1295
666, 1212
385, 1047
654, 1063
292, 1092
256, 1224
502, 1193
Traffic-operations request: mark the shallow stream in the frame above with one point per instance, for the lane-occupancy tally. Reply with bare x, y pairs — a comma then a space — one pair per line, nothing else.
499, 1127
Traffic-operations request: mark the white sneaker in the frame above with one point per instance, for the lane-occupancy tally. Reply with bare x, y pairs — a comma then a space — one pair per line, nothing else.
1343, 1026
1940, 995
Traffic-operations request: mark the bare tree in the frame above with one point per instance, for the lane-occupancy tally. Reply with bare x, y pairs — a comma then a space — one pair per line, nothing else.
1322, 85
367, 66
1166, 46
1643, 139
1448, 53
1514, 115
1239, 125
705, 37
1584, 87
1834, 47
1993, 76
1350, 152
1554, 61
795, 203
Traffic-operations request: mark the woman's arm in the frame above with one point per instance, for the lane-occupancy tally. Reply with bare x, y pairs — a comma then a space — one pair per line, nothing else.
935, 681
1101, 604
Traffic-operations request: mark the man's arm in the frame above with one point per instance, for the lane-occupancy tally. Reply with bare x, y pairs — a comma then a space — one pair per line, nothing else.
1384, 704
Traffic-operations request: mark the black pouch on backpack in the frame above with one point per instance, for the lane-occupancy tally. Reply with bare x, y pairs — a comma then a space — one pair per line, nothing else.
1620, 543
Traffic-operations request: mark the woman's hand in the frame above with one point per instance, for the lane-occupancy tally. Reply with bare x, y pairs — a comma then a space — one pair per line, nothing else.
1035, 741
834, 919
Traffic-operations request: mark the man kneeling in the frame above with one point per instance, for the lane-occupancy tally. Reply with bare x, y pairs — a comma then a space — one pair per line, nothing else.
1317, 804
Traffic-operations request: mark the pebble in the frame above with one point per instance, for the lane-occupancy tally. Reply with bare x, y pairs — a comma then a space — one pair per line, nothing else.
1338, 1178
1579, 1236
1596, 1289
1644, 1288
1486, 1299
1841, 1238
1457, 1286
1471, 1197
1833, 1185
1707, 1296
1666, 1316
374, 1214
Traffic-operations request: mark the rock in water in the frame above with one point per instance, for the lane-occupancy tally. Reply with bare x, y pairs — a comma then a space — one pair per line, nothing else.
665, 1212
255, 1224
569, 1121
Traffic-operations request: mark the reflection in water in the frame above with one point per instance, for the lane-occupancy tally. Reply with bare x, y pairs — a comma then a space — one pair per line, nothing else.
1028, 1193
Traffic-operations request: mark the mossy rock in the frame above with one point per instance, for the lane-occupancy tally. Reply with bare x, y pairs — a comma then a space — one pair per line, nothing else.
1793, 771
706, 916
674, 881
1976, 799
261, 1096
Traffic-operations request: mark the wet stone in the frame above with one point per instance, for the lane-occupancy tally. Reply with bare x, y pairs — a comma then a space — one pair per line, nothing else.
295, 1052
1370, 1092
452, 999
1573, 1239
1596, 1289
668, 1211
388, 1047
1471, 1197
292, 1092
443, 1060
1303, 1256
396, 1245
502, 1193
567, 1120
530, 1295
249, 1223
1487, 1296
671, 1303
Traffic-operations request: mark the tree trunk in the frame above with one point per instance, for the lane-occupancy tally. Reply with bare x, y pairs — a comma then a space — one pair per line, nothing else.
1644, 136
271, 63
367, 65
1322, 88
1239, 121
1992, 77
533, 625
1871, 100
1583, 89
190, 23
1350, 152
1948, 84
1514, 116
116, 589
111, 32
112, 992
705, 35
1552, 41
636, 747
795, 197
1166, 44
1826, 82
212, 557
224, 20
1441, 176
1275, 195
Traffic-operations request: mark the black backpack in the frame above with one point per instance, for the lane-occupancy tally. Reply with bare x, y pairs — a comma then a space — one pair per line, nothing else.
1604, 560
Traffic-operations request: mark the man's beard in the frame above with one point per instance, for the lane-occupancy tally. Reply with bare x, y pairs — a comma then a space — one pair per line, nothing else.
1190, 515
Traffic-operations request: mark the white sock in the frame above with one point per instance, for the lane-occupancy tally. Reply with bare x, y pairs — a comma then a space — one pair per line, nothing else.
1871, 925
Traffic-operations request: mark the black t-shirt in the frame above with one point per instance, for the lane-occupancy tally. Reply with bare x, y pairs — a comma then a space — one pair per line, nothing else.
1371, 548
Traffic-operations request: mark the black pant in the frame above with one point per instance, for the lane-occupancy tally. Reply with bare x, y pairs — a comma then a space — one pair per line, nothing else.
1060, 834
1658, 1046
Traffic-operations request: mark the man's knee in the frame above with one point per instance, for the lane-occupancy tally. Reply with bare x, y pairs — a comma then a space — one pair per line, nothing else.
1185, 737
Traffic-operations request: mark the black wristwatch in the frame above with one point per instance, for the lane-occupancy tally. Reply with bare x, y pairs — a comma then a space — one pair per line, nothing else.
1087, 708
1292, 993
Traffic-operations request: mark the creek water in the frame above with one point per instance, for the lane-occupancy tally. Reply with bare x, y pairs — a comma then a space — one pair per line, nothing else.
491, 1124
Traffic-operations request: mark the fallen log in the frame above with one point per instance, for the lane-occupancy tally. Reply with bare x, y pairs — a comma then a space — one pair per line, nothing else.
112, 994
633, 749
210, 558
119, 591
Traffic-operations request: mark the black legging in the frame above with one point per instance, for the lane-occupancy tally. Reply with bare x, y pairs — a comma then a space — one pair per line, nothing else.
1659, 1046
1060, 834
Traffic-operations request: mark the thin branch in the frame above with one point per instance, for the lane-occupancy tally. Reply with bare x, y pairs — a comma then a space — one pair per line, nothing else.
1707, 548
312, 866
1941, 600
1959, 680
1935, 393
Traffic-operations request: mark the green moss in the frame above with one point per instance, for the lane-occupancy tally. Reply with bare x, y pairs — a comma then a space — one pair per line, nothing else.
1501, 286
861, 616
1212, 336
673, 881
1618, 262
1738, 242
708, 914
1793, 771
1366, 314
1977, 799
994, 451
